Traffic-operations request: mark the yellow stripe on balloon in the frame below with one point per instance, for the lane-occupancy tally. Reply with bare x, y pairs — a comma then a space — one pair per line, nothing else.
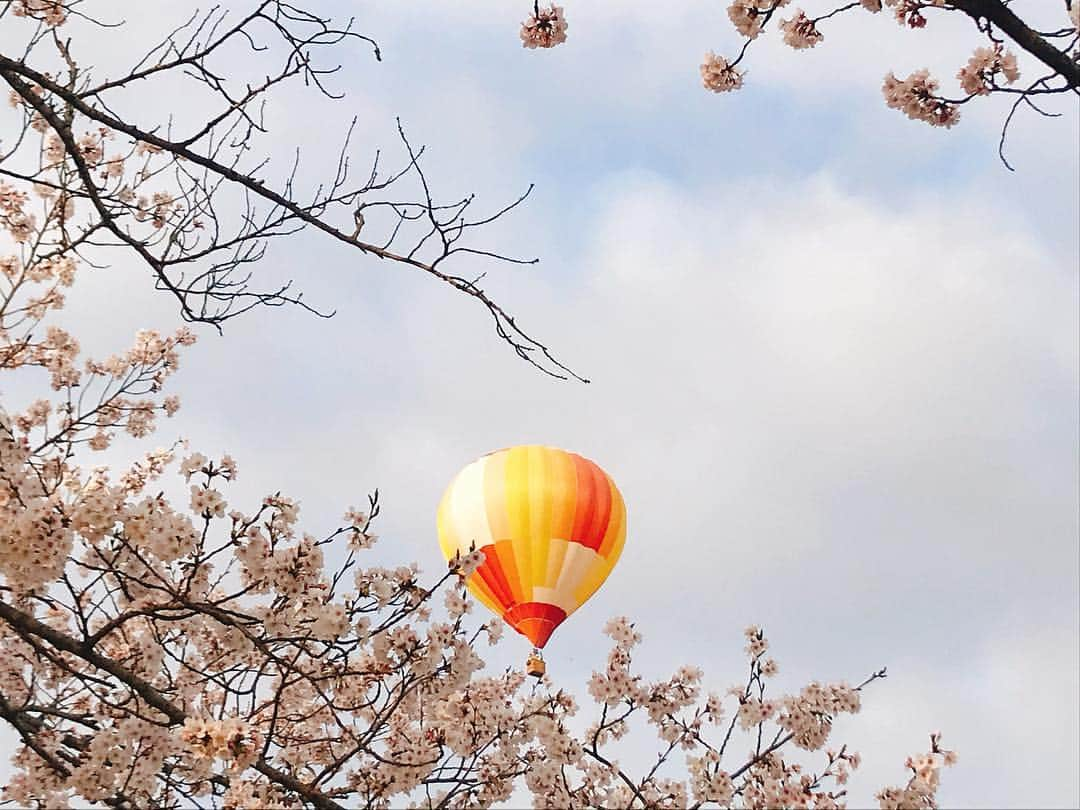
540, 508
592, 578
516, 498
577, 564
578, 560
556, 558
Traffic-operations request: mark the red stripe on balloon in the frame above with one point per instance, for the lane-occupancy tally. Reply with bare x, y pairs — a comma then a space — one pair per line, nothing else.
602, 515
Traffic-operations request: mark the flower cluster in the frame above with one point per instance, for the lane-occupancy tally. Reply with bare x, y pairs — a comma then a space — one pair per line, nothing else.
230, 739
977, 76
809, 715
748, 16
617, 683
921, 789
51, 12
909, 12
465, 565
800, 31
545, 28
916, 97
35, 533
719, 76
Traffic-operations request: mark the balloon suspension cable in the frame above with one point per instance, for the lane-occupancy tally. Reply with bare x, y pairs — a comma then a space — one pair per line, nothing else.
534, 664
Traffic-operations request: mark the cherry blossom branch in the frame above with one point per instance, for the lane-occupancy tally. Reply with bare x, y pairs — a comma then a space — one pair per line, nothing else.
1019, 32
987, 72
211, 296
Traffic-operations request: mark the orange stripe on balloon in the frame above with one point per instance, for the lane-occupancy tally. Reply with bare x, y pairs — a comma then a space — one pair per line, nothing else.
492, 573
586, 502
506, 553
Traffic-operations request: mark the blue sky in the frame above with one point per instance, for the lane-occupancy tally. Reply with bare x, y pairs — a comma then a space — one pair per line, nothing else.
834, 355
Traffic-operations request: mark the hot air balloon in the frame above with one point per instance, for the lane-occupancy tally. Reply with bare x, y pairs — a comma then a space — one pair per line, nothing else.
551, 526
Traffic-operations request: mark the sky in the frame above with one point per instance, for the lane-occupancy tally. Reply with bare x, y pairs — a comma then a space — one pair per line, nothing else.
833, 352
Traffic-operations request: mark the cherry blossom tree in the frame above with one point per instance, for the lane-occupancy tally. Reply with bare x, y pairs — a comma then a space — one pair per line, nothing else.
1054, 44
178, 651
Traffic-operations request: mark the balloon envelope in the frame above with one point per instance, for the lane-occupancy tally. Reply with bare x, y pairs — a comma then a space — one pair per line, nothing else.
551, 525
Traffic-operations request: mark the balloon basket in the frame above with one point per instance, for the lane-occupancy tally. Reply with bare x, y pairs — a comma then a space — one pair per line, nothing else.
534, 665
